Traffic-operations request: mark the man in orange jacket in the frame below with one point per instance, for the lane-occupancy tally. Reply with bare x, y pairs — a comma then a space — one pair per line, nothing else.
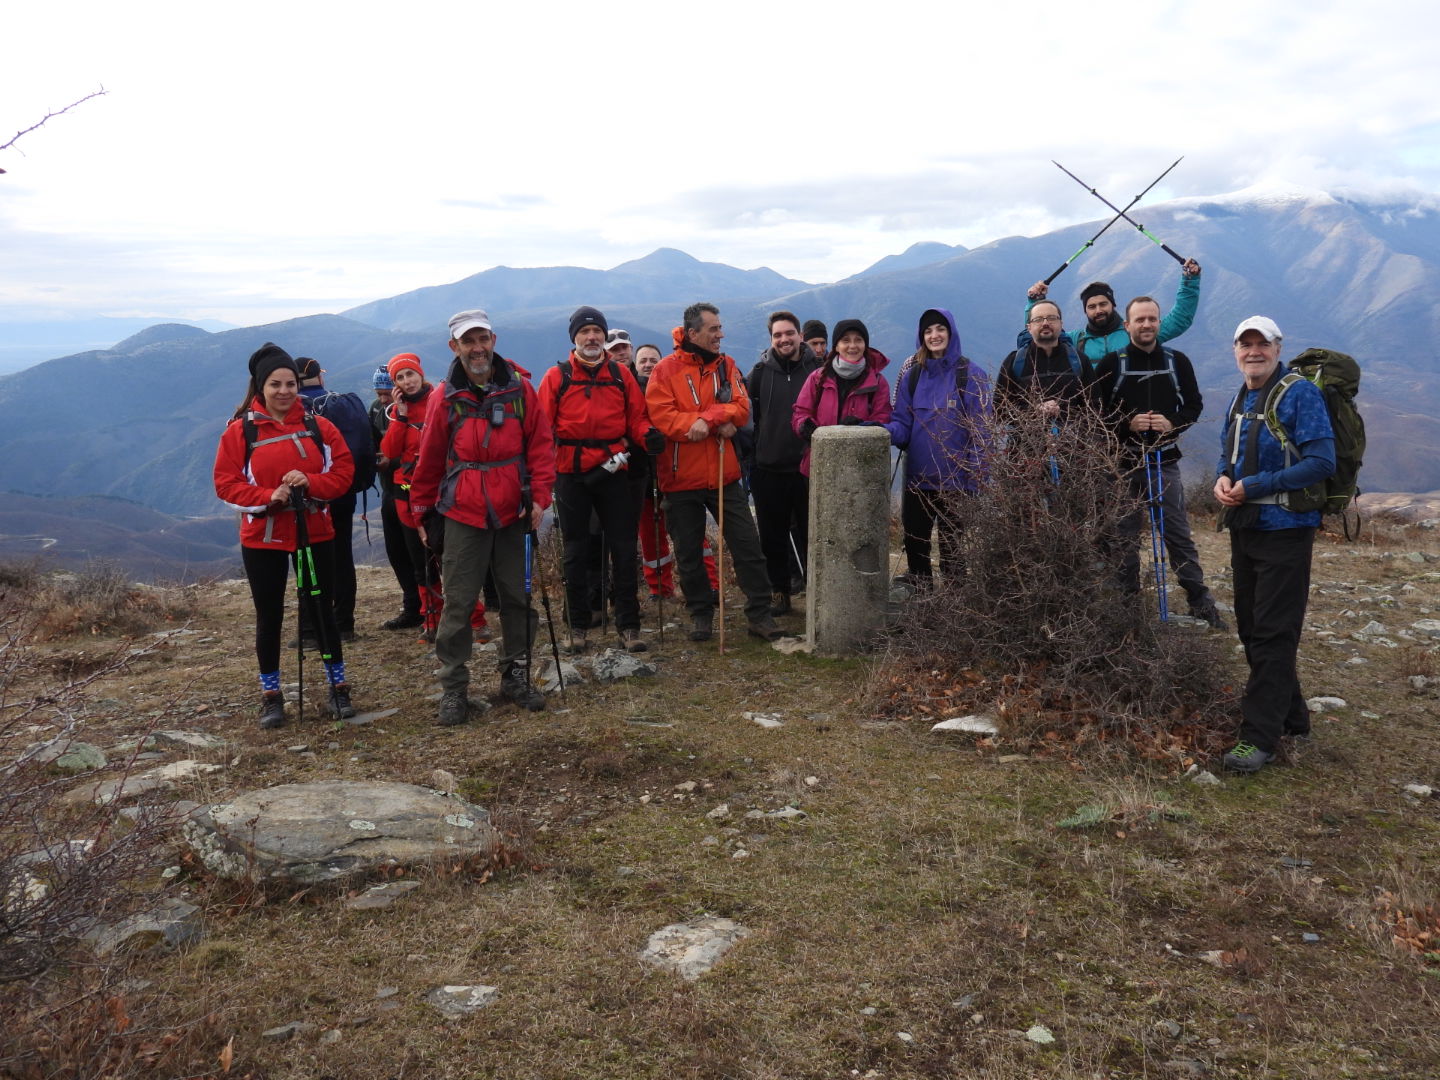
698, 400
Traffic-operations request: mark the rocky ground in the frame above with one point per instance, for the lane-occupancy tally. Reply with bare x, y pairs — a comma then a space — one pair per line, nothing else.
732, 868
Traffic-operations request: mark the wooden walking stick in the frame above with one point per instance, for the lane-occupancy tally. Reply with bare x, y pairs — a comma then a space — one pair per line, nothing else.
720, 539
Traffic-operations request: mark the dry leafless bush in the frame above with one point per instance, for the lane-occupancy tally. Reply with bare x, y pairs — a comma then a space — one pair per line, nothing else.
100, 598
1040, 597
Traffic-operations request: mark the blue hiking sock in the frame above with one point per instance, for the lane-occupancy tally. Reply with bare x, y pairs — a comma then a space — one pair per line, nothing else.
270, 681
335, 671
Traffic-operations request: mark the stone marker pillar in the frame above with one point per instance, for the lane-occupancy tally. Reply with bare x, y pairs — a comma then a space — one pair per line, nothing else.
849, 557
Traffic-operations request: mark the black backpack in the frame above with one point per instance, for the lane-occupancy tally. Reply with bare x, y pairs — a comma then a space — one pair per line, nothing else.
348, 413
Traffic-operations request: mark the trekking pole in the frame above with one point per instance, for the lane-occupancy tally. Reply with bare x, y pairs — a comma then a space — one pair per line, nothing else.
1054, 461
659, 570
1121, 213
795, 550
1155, 492
720, 537
307, 587
560, 567
530, 610
530, 539
1118, 215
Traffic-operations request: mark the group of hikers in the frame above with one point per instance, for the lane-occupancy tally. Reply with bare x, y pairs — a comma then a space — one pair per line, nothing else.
635, 450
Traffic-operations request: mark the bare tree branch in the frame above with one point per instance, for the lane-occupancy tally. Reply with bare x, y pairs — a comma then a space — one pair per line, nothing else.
50, 115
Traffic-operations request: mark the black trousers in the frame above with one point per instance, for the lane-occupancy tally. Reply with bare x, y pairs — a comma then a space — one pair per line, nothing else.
1272, 587
685, 512
782, 513
342, 513
398, 555
267, 571
609, 498
922, 511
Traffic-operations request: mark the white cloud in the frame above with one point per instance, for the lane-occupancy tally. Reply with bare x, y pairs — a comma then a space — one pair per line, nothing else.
290, 158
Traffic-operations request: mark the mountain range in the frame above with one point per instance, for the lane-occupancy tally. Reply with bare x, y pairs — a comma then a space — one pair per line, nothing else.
140, 419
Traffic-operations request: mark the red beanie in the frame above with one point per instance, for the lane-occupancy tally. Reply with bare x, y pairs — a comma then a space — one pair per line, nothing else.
402, 361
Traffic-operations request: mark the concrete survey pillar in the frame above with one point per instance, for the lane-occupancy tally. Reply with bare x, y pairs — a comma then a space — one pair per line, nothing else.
849, 557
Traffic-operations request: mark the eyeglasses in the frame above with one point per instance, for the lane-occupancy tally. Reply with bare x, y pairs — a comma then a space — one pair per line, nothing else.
1044, 319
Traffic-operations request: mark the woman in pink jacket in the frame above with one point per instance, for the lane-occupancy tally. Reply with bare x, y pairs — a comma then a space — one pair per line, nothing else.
271, 455
849, 389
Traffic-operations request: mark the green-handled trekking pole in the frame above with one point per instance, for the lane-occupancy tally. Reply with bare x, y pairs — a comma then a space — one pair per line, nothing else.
1122, 214
1118, 215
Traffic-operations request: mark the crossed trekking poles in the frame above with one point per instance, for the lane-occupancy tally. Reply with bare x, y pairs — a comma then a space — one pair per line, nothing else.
1119, 213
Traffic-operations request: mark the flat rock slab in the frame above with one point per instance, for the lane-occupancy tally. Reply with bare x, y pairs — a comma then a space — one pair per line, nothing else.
184, 740
549, 681
458, 1002
692, 949
172, 924
361, 719
68, 755
380, 896
132, 787
975, 723
612, 665
307, 833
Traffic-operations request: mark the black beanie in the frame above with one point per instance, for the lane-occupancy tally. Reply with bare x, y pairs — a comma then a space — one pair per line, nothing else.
933, 318
814, 328
266, 359
587, 316
844, 326
1097, 288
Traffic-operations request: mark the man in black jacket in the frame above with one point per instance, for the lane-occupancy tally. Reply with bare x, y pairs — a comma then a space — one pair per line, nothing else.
781, 493
1151, 393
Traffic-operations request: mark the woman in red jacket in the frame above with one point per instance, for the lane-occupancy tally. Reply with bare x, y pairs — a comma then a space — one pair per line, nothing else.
271, 455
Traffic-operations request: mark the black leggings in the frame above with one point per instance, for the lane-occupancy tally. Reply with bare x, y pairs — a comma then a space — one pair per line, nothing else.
268, 570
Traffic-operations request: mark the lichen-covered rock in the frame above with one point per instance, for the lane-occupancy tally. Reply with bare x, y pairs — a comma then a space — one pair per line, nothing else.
308, 833
691, 949
612, 665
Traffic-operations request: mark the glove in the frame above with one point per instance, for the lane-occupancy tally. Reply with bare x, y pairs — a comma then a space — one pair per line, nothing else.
654, 442
807, 429
849, 421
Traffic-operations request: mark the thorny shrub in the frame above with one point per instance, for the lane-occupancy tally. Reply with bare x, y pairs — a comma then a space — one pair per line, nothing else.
99, 598
1038, 613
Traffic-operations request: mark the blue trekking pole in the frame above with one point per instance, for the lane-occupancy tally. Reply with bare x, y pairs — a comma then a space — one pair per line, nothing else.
1155, 490
1054, 461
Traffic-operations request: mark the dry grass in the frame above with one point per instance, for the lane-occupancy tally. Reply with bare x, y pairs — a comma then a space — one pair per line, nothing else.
930, 890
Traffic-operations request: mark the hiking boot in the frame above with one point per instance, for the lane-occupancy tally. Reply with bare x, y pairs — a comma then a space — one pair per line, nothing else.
427, 636
406, 620
1246, 757
703, 627
632, 641
272, 709
797, 585
781, 606
1207, 612
481, 635
515, 686
578, 642
765, 629
340, 706
348, 635
454, 708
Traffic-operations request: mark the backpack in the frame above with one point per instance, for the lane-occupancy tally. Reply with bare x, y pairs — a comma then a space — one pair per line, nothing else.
567, 379
348, 413
1124, 371
1338, 377
251, 432
962, 371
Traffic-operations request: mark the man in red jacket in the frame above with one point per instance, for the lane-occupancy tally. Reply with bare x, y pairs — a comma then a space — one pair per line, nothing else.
485, 473
698, 400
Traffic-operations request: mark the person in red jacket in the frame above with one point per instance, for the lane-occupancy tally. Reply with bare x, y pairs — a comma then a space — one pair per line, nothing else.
698, 400
273, 455
485, 474
599, 418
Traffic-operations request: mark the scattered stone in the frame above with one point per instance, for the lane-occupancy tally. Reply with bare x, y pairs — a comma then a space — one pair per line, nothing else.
380, 896
686, 786
1420, 791
549, 681
298, 748
1319, 705
905, 1036
303, 833
1295, 863
720, 813
1203, 777
458, 1002
1169, 1027
1039, 1033
386, 992
131, 787
869, 1010
692, 949
1187, 1067
740, 853
612, 665
765, 720
443, 781
1310, 939
286, 1032
68, 755
787, 813
976, 723
330, 1035
788, 646
185, 740
710, 841
638, 722
811, 781
170, 924
1011, 759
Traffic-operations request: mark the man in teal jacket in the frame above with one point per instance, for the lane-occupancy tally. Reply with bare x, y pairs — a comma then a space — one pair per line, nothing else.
1105, 332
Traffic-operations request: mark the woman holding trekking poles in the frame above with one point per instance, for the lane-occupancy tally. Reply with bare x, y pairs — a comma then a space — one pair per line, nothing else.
278, 465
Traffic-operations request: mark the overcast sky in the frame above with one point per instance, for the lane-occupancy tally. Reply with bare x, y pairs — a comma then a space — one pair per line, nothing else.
260, 161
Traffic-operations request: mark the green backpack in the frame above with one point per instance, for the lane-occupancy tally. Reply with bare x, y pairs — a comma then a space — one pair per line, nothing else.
1338, 377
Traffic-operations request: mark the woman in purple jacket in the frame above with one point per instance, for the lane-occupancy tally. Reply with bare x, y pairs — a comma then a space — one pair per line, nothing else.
941, 421
849, 389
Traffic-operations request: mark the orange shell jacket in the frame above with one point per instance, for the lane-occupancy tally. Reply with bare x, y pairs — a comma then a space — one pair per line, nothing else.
682, 389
